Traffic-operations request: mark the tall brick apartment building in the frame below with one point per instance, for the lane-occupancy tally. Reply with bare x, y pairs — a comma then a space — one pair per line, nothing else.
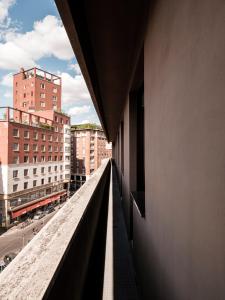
35, 146
88, 147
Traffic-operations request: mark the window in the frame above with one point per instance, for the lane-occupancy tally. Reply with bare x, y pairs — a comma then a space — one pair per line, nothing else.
34, 183
42, 170
24, 104
26, 134
55, 168
56, 129
54, 98
60, 158
15, 132
25, 185
42, 181
15, 187
43, 158
49, 158
26, 159
43, 137
42, 85
54, 90
15, 147
35, 171
138, 196
32, 93
49, 169
49, 148
67, 158
67, 167
25, 172
26, 147
42, 104
56, 148
35, 135
55, 178
122, 147
35, 159
50, 138
67, 140
49, 179
15, 173
15, 159
42, 95
56, 119
61, 167
61, 148
42, 148
35, 147
55, 158
61, 177
24, 96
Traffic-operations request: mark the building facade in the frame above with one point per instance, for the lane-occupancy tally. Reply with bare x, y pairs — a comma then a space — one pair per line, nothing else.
88, 148
35, 154
36, 90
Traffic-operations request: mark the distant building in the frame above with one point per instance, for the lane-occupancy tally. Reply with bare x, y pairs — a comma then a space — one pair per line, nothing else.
88, 147
35, 146
36, 90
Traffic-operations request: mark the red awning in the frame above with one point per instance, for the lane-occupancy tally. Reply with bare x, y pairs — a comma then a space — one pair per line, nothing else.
24, 210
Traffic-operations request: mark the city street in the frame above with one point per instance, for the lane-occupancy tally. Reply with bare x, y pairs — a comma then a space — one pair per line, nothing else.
16, 238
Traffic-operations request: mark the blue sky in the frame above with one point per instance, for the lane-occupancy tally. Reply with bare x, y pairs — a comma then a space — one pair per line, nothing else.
32, 34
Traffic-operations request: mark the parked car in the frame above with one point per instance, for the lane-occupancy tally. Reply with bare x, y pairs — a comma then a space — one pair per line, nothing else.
49, 210
39, 215
9, 257
2, 266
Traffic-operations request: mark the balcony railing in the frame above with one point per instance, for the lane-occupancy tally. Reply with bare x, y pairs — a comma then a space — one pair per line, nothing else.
73, 256
9, 114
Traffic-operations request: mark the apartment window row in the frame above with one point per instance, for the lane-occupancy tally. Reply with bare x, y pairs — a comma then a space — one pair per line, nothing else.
26, 147
34, 182
26, 171
34, 159
26, 134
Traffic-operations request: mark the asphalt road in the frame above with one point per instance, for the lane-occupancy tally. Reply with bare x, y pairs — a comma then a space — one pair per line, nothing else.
16, 238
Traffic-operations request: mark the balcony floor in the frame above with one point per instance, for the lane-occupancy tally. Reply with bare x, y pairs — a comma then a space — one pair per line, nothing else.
124, 276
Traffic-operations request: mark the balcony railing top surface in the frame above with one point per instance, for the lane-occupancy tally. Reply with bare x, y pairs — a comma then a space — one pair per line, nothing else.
29, 275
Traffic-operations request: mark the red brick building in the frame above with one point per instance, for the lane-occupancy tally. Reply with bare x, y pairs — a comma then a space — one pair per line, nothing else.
35, 154
88, 148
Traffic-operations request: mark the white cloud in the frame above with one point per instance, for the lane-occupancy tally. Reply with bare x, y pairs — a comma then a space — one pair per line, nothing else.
86, 122
76, 68
74, 88
4, 11
48, 38
79, 110
7, 80
8, 95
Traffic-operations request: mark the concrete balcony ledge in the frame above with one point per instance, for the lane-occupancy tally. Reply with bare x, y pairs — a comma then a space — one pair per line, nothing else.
31, 275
